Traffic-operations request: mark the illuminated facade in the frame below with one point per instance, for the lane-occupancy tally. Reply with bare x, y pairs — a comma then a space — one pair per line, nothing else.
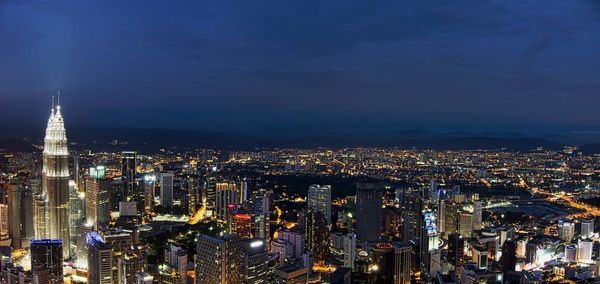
53, 222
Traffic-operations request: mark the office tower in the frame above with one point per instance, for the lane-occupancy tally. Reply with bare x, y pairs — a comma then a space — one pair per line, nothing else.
429, 243
587, 229
319, 200
402, 262
294, 241
456, 247
131, 263
127, 209
451, 216
39, 216
209, 197
225, 197
241, 224
14, 214
262, 202
369, 199
566, 230
143, 278
317, 235
477, 215
55, 182
585, 249
217, 260
243, 191
176, 258
281, 248
100, 259
166, 189
149, 187
47, 255
119, 242
261, 227
479, 256
349, 249
192, 195
97, 201
4, 226
76, 207
412, 206
465, 224
392, 223
128, 173
508, 260
531, 252
254, 262
81, 251
382, 267
570, 253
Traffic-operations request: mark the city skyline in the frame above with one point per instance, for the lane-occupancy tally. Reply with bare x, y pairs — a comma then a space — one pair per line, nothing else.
268, 67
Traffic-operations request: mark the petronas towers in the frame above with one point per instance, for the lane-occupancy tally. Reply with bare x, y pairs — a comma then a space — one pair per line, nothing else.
51, 211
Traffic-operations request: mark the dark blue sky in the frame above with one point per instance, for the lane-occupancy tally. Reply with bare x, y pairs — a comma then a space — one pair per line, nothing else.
252, 66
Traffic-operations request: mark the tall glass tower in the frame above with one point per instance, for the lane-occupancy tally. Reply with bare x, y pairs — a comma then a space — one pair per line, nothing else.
55, 183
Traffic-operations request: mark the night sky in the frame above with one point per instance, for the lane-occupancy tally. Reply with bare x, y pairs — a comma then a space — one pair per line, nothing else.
269, 66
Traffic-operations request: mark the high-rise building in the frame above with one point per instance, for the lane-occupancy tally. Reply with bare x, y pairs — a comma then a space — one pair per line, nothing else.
294, 241
403, 255
217, 260
193, 195
176, 258
587, 229
369, 199
14, 214
166, 189
149, 187
143, 278
4, 225
81, 251
254, 262
456, 248
349, 249
97, 201
319, 200
317, 235
241, 224
100, 260
47, 259
131, 263
225, 197
566, 230
585, 249
412, 206
508, 260
76, 207
128, 173
382, 267
55, 182
465, 224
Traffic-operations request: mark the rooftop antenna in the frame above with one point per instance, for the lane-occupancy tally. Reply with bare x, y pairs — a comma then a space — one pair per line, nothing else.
52, 102
58, 103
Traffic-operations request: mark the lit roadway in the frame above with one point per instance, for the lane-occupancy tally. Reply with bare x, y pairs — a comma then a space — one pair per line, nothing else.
588, 209
198, 216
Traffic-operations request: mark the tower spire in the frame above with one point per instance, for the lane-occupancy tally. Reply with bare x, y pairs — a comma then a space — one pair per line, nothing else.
58, 101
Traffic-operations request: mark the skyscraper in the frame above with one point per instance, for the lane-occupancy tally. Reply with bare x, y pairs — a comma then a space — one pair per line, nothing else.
319, 200
55, 182
166, 189
149, 187
128, 172
47, 256
369, 199
254, 261
14, 214
225, 196
100, 259
317, 235
402, 262
456, 247
508, 260
217, 260
97, 198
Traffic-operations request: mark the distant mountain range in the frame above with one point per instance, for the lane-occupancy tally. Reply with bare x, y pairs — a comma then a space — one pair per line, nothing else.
150, 140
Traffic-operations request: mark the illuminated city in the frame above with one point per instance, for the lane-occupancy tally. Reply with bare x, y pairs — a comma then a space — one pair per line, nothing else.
204, 142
